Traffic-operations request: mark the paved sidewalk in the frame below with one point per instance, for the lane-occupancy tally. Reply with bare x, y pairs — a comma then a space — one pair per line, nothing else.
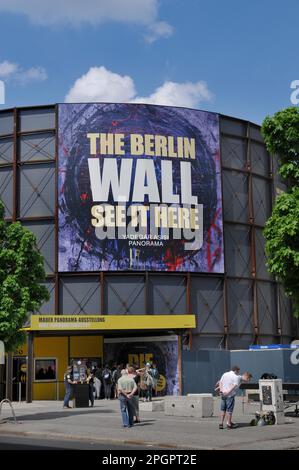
103, 424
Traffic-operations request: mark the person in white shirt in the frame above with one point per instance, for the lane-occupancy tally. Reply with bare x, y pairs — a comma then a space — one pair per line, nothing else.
228, 386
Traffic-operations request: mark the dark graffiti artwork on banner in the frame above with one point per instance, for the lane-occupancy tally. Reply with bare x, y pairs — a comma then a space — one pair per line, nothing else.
139, 189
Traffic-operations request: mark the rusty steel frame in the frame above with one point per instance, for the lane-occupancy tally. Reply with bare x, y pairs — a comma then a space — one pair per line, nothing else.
104, 276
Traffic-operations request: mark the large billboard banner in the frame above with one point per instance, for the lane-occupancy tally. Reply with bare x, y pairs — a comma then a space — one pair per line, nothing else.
139, 188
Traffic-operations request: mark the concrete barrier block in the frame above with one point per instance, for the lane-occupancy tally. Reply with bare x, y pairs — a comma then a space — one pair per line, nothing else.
156, 405
196, 405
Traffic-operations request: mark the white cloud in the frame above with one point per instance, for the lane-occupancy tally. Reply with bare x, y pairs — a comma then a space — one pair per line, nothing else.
186, 94
7, 69
161, 29
12, 72
76, 12
99, 84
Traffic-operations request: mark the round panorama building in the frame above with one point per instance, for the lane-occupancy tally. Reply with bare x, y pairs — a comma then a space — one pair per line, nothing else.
150, 220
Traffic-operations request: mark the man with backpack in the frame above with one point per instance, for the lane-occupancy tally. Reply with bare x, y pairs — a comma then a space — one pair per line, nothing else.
107, 381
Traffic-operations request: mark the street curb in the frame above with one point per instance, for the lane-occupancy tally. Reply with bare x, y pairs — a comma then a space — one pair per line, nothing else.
71, 437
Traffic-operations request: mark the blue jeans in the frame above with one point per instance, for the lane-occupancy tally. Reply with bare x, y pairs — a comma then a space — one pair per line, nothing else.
67, 396
227, 404
127, 410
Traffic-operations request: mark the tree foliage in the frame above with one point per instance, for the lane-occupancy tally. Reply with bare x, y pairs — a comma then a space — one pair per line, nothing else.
21, 272
281, 135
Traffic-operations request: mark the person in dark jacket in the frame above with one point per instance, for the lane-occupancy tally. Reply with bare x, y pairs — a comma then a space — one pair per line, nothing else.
107, 381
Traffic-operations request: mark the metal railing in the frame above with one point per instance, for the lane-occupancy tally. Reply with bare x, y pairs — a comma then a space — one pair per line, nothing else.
6, 400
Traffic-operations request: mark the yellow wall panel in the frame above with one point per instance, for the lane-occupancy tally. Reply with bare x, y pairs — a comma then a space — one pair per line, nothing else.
86, 346
53, 347
46, 391
57, 347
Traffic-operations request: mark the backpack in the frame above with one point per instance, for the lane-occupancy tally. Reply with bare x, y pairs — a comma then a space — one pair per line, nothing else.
107, 375
268, 376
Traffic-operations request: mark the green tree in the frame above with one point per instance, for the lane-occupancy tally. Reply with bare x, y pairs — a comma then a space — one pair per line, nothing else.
281, 135
21, 272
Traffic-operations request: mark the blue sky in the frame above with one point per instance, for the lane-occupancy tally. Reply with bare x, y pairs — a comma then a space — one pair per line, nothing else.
233, 57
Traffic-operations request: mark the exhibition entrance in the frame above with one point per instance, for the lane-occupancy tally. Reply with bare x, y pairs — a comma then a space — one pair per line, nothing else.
55, 342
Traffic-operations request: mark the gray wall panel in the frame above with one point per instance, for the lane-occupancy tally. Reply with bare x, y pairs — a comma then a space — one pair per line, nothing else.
37, 147
240, 341
233, 152
235, 196
237, 250
36, 119
167, 295
37, 195
6, 150
125, 295
79, 295
259, 362
45, 238
6, 190
261, 200
240, 306
260, 159
267, 308
202, 369
207, 304
6, 123
205, 341
255, 134
48, 308
233, 126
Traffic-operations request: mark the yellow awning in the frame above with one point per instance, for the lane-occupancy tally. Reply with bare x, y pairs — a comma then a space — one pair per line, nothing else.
110, 322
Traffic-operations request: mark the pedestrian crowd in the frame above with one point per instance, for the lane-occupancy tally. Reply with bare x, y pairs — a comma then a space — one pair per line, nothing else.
128, 383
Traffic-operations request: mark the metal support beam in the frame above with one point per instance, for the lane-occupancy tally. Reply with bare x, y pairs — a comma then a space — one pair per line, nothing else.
102, 290
9, 376
29, 377
147, 293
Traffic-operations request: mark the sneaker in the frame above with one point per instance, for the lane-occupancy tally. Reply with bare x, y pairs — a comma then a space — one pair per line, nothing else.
232, 426
220, 426
66, 406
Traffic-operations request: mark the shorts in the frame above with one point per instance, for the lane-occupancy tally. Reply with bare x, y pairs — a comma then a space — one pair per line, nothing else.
227, 404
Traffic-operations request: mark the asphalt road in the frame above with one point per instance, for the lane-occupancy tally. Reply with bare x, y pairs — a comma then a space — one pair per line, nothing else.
24, 443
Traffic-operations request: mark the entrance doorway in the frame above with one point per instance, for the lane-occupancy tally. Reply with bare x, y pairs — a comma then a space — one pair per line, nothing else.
19, 378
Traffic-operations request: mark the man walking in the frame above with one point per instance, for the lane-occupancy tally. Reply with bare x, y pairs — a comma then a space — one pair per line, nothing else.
228, 386
126, 387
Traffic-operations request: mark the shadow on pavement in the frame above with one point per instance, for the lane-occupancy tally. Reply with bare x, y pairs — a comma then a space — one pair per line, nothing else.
58, 414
